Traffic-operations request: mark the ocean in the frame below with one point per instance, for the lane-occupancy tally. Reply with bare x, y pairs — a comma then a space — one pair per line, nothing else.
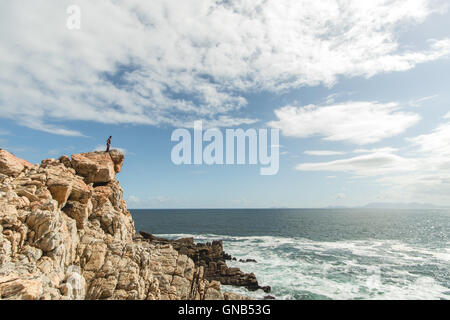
324, 253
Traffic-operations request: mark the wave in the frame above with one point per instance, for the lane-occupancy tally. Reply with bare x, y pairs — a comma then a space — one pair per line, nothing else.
298, 268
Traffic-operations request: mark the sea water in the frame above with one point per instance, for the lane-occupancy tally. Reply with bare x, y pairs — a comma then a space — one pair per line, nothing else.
324, 253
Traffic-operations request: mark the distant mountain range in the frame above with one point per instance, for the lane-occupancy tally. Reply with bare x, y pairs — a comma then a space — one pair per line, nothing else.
393, 205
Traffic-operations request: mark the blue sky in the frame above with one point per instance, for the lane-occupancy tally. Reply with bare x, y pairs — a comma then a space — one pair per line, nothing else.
359, 91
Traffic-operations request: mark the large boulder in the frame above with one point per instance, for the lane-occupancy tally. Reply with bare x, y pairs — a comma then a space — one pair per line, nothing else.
59, 182
10, 165
98, 167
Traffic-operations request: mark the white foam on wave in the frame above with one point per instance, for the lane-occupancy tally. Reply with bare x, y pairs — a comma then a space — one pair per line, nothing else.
298, 268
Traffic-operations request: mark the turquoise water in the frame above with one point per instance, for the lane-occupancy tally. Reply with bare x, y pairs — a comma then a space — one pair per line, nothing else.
325, 254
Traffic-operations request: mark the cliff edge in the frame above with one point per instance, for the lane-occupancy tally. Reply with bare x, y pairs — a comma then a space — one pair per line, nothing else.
66, 233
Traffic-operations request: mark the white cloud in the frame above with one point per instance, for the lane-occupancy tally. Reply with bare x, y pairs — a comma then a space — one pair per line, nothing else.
37, 124
332, 98
421, 101
356, 122
340, 196
134, 200
323, 153
436, 143
422, 178
137, 202
376, 150
172, 62
430, 187
220, 121
374, 164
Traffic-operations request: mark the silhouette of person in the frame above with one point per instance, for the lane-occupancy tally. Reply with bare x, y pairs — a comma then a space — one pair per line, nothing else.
108, 144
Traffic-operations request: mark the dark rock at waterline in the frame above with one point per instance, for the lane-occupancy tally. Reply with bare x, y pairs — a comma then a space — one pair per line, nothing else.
266, 289
269, 298
211, 256
228, 257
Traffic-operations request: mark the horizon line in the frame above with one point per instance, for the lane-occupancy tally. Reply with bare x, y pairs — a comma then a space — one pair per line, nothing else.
297, 208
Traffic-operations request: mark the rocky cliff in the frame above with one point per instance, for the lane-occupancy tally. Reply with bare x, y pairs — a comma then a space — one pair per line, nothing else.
212, 258
65, 233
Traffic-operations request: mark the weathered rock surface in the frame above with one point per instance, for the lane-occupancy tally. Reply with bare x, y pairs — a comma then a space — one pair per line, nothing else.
65, 233
10, 165
212, 258
98, 167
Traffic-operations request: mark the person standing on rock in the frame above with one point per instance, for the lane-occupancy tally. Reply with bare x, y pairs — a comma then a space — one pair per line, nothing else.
108, 144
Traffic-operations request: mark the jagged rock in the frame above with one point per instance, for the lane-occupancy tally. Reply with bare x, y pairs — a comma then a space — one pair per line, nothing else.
61, 193
80, 190
79, 211
10, 165
233, 296
49, 162
212, 258
118, 158
266, 289
59, 182
98, 167
66, 233
17, 288
65, 160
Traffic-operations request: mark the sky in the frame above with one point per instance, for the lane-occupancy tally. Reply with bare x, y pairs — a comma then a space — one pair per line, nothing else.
359, 91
